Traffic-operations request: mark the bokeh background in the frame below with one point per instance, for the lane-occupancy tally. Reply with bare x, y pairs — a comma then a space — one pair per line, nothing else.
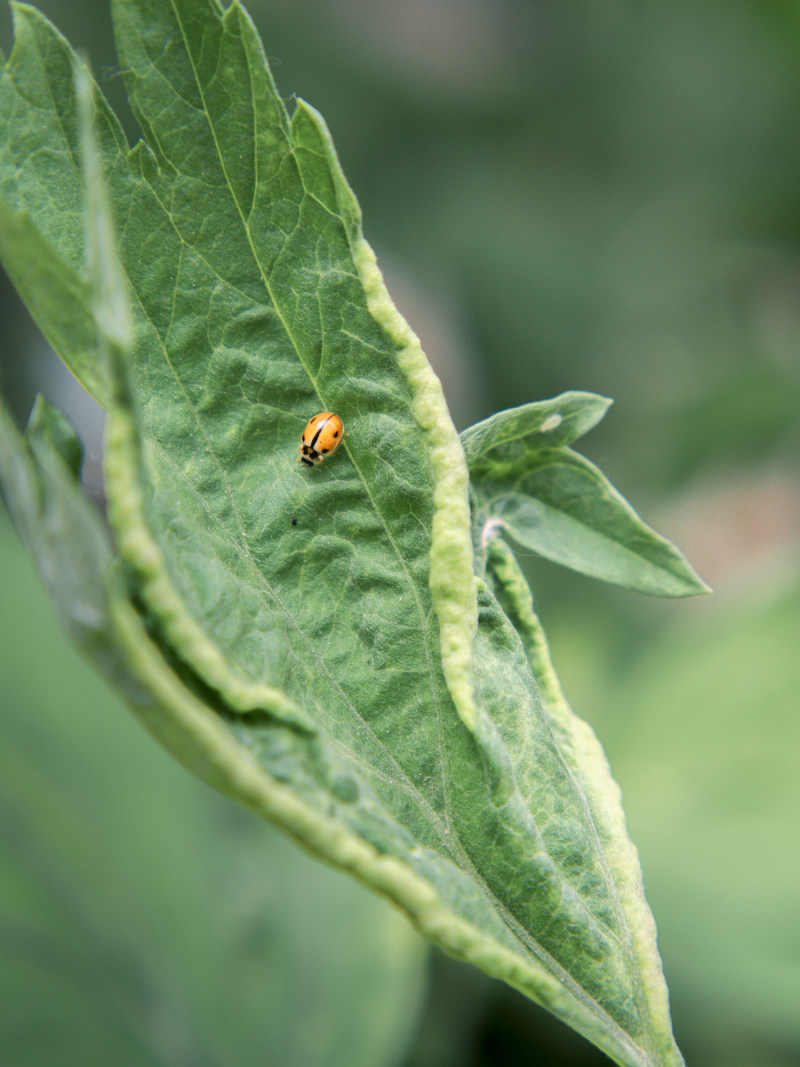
563, 195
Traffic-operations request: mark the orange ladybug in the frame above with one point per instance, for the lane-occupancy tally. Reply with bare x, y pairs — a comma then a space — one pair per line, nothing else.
321, 437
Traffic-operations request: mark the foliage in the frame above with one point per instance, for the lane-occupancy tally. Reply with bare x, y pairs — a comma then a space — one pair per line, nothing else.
317, 643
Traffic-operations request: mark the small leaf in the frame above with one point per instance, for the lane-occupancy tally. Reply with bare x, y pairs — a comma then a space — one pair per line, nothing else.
63, 532
42, 236
54, 292
561, 506
48, 426
516, 433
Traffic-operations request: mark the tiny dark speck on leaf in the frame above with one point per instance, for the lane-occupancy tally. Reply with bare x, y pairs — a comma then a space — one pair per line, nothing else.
294, 522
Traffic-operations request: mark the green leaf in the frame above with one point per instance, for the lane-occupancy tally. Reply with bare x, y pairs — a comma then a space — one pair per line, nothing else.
514, 434
50, 429
62, 531
558, 504
316, 643
42, 235
55, 293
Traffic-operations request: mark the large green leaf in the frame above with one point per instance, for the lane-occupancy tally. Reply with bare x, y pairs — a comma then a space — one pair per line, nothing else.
312, 636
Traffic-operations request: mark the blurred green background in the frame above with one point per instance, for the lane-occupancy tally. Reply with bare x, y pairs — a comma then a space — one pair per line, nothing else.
562, 196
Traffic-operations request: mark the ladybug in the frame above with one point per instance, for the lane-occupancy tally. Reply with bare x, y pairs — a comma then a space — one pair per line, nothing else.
321, 437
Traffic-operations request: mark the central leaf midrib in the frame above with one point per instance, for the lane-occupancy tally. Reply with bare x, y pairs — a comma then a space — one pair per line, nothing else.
435, 696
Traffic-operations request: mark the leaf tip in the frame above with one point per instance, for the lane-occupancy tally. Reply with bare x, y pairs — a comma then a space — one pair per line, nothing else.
697, 586
49, 423
111, 309
22, 14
